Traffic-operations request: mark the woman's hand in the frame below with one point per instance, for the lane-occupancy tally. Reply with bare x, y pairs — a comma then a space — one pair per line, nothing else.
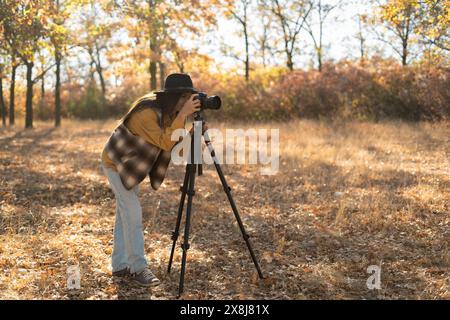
190, 106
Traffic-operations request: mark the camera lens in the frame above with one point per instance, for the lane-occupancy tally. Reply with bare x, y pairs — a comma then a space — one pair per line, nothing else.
213, 102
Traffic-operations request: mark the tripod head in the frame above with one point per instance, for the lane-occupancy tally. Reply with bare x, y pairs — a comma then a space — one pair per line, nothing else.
198, 116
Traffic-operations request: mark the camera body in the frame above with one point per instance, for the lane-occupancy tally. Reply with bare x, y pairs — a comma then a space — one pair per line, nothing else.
212, 102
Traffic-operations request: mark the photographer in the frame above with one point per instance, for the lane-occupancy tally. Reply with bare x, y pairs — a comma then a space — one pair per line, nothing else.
153, 120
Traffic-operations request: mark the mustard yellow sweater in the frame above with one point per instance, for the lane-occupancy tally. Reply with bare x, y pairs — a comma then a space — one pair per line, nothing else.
144, 123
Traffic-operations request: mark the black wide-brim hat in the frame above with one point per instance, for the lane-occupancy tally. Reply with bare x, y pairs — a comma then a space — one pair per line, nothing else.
178, 82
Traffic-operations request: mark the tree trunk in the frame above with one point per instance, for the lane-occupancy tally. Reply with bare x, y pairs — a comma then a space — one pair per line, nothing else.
2, 102
99, 70
58, 89
152, 75
361, 39
319, 60
92, 70
247, 62
263, 43
29, 97
405, 53
320, 51
11, 94
152, 67
289, 62
361, 51
162, 75
41, 98
181, 67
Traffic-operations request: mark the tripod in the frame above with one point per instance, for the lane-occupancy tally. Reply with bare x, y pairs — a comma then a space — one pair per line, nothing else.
188, 189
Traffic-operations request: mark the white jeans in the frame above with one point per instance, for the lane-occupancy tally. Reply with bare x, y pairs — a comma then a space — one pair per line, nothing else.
128, 251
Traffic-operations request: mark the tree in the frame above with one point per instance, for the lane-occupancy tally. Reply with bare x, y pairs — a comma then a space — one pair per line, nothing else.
361, 37
238, 10
434, 23
42, 59
146, 13
2, 76
12, 86
180, 55
165, 21
2, 101
97, 32
267, 42
291, 16
399, 18
151, 14
60, 39
322, 10
23, 24
9, 44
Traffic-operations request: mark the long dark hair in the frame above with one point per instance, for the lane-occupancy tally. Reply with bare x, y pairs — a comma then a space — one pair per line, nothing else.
165, 102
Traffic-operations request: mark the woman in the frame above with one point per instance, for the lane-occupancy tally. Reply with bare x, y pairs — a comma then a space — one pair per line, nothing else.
154, 120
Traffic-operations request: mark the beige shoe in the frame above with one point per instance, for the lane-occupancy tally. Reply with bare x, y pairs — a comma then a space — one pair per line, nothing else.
145, 278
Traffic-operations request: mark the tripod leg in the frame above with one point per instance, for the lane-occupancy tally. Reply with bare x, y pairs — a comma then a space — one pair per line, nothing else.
185, 245
175, 233
233, 205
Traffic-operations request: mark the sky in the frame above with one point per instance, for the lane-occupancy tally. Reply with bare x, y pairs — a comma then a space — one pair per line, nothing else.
339, 40
339, 31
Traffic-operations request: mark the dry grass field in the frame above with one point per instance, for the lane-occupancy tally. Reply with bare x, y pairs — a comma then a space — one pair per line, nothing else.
346, 196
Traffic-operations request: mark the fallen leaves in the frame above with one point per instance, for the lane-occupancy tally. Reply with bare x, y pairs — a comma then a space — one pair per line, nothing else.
339, 204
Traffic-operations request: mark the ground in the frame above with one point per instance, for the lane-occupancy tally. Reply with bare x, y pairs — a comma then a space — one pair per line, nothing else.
346, 196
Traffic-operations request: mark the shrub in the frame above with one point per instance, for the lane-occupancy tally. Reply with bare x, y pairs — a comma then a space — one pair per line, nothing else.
378, 89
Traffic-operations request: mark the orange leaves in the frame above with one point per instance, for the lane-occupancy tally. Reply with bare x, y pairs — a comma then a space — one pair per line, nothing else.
395, 212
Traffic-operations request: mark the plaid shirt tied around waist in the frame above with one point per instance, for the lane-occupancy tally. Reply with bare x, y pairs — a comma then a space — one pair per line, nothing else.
135, 158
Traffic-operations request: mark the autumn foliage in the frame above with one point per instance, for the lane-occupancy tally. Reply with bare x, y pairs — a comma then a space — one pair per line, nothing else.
118, 51
381, 89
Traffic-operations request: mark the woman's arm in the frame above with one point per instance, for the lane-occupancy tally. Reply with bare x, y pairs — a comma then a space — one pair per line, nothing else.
145, 124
